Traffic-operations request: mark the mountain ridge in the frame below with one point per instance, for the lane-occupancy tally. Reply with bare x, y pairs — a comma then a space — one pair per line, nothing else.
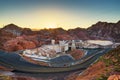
100, 30
18, 36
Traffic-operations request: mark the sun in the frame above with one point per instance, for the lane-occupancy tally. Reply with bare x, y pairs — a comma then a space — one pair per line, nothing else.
51, 26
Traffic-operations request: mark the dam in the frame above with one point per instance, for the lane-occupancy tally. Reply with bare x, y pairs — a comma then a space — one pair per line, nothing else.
16, 62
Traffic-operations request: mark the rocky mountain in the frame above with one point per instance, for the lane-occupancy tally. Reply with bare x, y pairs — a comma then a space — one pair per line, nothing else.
104, 30
18, 43
100, 30
106, 68
7, 33
79, 33
13, 29
13, 38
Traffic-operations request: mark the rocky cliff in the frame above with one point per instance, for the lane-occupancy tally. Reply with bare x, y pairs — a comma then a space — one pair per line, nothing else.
79, 33
104, 30
100, 30
106, 68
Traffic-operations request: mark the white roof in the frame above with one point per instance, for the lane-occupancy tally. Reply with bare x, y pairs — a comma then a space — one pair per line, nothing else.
100, 42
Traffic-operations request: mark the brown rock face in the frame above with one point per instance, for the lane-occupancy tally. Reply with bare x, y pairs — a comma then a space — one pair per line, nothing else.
26, 44
100, 30
79, 33
18, 44
13, 29
106, 66
114, 77
93, 72
104, 30
76, 54
64, 37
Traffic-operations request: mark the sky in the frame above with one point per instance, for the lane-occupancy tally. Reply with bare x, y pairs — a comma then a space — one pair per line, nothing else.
39, 14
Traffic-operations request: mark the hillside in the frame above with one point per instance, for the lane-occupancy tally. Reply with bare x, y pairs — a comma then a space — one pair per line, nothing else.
79, 33
104, 30
107, 67
21, 37
14, 38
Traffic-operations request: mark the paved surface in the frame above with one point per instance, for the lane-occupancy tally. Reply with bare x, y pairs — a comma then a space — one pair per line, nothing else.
16, 62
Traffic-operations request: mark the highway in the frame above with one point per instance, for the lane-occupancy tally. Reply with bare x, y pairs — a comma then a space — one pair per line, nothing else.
16, 62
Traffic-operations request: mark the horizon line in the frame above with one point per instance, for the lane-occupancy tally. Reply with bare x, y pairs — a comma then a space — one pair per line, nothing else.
36, 29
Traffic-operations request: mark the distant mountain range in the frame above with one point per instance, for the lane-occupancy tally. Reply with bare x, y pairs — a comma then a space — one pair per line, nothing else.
104, 30
100, 30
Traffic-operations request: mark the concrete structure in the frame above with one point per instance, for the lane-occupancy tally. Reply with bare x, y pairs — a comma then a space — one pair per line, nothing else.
96, 44
100, 42
73, 46
50, 51
40, 53
115, 45
88, 45
46, 51
53, 42
61, 47
79, 44
55, 47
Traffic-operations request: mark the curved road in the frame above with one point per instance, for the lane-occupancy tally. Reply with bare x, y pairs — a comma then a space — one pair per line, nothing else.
16, 62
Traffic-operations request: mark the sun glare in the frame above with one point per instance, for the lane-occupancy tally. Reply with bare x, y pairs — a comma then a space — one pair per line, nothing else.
51, 26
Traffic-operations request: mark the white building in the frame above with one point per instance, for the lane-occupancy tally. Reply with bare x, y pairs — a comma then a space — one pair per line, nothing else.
53, 42
79, 44
61, 47
73, 46
46, 51
97, 43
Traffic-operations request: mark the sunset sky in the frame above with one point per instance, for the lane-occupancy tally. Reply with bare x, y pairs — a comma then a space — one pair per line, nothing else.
38, 14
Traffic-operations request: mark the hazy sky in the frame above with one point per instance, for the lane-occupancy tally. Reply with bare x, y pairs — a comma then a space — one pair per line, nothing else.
58, 13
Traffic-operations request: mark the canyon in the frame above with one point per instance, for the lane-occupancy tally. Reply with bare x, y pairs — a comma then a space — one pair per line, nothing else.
15, 38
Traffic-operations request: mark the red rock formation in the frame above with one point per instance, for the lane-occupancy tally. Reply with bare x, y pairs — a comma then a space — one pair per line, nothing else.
93, 72
18, 44
100, 30
104, 30
107, 65
64, 37
114, 77
77, 54
79, 33
26, 44
13, 29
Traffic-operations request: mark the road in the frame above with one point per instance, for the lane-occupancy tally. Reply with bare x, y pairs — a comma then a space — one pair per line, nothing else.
16, 62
